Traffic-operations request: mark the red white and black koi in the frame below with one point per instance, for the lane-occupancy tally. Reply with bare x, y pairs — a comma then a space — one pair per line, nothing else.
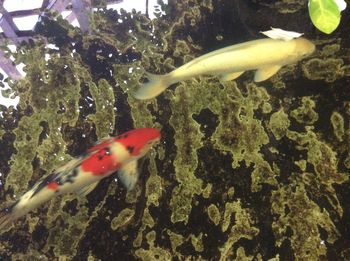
81, 175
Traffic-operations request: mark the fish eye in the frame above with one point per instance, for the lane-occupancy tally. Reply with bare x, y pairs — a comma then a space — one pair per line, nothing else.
144, 79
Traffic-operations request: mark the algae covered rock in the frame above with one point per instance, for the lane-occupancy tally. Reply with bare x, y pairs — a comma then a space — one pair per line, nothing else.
244, 171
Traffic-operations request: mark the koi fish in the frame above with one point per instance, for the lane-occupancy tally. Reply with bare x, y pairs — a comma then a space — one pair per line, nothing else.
266, 56
81, 175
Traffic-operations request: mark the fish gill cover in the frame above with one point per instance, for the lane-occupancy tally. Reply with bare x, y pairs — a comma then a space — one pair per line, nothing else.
245, 171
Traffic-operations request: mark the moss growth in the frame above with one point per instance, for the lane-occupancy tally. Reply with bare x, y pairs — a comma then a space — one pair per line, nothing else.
187, 142
104, 118
147, 221
289, 6
304, 217
337, 122
175, 240
279, 123
26, 151
306, 113
324, 161
197, 242
153, 253
123, 218
242, 228
330, 49
263, 150
240, 255
301, 164
263, 174
328, 70
214, 214
207, 191
237, 124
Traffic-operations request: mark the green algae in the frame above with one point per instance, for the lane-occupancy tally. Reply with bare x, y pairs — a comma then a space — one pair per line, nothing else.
263, 174
330, 49
181, 49
250, 119
207, 191
240, 255
65, 242
236, 120
175, 240
346, 69
214, 214
140, 111
226, 221
306, 113
241, 106
181, 203
153, 253
22, 161
347, 161
277, 258
242, 228
147, 221
279, 124
52, 89
104, 118
324, 161
337, 122
37, 89
123, 218
301, 164
187, 142
328, 70
32, 254
92, 257
304, 218
197, 242
289, 6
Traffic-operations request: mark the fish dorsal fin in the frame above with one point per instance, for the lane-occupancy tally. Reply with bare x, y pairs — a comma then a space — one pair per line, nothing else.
266, 72
70, 165
129, 174
87, 189
229, 76
100, 144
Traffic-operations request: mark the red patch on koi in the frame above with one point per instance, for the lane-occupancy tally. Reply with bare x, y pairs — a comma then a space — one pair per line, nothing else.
100, 163
52, 185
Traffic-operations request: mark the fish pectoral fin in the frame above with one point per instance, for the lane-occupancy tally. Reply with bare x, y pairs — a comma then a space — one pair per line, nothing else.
129, 174
87, 189
264, 73
229, 76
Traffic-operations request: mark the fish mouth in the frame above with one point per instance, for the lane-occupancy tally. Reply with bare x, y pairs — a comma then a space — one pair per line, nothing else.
307, 46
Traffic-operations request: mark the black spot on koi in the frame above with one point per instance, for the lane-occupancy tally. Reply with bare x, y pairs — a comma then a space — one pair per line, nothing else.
107, 152
50, 178
130, 149
59, 178
70, 177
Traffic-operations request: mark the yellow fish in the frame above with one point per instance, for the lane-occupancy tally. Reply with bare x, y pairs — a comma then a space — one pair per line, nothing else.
266, 56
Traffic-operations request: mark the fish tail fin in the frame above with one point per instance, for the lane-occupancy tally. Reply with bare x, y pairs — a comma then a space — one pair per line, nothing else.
155, 86
8, 215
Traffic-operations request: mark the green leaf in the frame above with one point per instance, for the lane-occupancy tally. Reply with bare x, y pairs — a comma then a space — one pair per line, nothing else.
324, 14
